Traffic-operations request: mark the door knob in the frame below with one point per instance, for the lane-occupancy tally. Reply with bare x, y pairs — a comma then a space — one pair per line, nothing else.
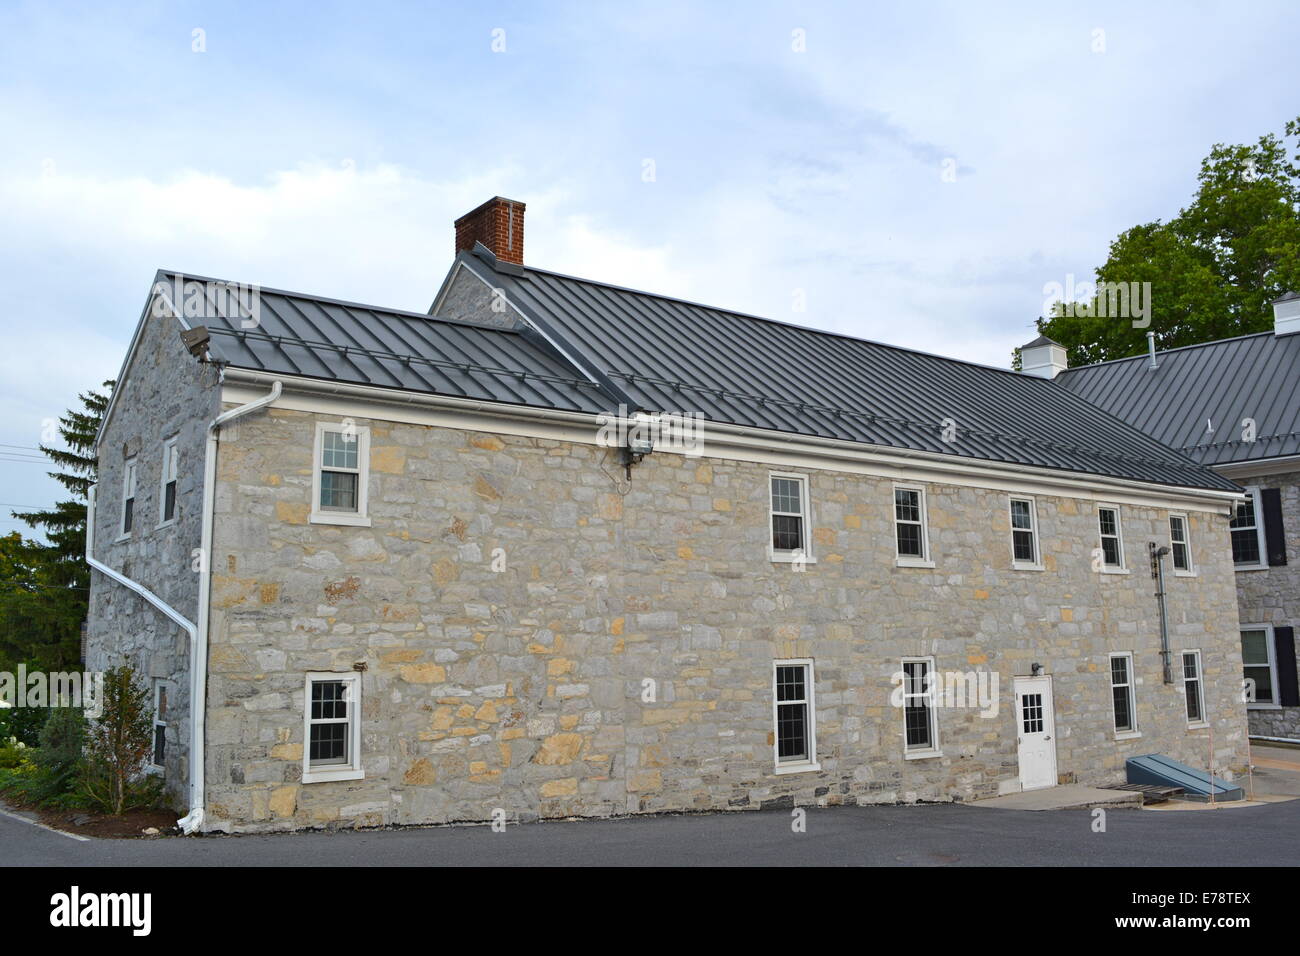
1048, 737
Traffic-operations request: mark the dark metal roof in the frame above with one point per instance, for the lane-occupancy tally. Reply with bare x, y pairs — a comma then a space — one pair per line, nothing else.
671, 355
1215, 383
330, 339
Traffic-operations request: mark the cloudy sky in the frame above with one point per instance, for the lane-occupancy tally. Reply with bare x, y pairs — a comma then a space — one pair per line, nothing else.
750, 156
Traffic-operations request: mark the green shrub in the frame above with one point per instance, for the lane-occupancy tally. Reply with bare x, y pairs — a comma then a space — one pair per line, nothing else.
25, 723
118, 746
59, 758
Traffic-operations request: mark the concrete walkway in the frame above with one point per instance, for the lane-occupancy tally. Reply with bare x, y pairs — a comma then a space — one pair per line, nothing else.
1070, 796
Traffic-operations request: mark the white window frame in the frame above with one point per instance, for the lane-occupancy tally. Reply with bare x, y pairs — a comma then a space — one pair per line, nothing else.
361, 517
790, 557
926, 560
1122, 567
1190, 570
1262, 565
159, 690
1270, 647
326, 772
170, 455
933, 749
1203, 720
810, 702
130, 474
1017, 563
1136, 729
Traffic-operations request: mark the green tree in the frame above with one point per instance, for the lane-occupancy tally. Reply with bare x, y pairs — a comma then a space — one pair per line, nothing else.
45, 585
1213, 269
118, 744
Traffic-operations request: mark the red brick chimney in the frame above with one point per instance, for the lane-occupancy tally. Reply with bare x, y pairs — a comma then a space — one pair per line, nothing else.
498, 224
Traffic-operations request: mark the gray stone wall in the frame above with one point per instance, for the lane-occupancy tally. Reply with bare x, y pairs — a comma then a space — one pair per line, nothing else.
467, 299
519, 687
165, 393
1272, 596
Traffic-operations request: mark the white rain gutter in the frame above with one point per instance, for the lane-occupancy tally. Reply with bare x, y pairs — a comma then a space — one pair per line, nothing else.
193, 821
1279, 740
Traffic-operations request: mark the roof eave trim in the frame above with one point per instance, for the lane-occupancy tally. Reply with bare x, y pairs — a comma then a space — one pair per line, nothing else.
749, 441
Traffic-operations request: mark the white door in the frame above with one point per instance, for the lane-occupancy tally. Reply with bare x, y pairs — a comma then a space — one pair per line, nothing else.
1035, 732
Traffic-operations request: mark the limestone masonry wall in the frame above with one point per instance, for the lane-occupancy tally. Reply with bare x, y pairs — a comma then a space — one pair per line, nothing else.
521, 689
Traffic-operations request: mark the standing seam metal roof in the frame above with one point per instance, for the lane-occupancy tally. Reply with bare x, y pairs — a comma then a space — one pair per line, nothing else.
1198, 396
673, 355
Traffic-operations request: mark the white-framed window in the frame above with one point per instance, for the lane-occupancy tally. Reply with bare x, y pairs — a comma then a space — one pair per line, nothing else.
1247, 531
1112, 538
128, 496
790, 512
167, 490
1259, 665
1024, 534
1180, 544
341, 474
920, 728
1193, 689
1123, 698
158, 756
911, 539
794, 741
332, 727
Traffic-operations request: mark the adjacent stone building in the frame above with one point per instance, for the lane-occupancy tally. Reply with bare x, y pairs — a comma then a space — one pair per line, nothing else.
1234, 405
560, 548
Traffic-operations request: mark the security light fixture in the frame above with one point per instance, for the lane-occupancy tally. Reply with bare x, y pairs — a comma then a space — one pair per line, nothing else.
196, 340
1036, 669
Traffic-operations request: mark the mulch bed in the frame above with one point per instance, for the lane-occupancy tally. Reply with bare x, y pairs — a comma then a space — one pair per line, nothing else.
133, 823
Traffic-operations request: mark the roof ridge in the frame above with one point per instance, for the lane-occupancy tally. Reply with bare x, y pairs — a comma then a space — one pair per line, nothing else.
346, 303
1178, 348
790, 325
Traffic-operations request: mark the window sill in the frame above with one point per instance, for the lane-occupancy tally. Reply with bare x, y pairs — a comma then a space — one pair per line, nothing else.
1185, 574
325, 517
164, 524
1021, 566
1250, 567
1199, 725
922, 754
789, 557
1116, 571
1263, 706
1128, 734
805, 767
912, 563
126, 536
324, 776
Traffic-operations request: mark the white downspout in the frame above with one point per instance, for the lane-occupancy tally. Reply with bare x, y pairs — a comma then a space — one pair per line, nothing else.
193, 821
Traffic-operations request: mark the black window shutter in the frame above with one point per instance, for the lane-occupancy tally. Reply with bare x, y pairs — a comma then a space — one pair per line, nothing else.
1270, 501
1288, 693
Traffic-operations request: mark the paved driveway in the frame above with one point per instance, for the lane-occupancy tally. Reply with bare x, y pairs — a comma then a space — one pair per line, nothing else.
913, 836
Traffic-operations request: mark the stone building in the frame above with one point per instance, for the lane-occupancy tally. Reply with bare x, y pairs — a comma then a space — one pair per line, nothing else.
1234, 405
561, 548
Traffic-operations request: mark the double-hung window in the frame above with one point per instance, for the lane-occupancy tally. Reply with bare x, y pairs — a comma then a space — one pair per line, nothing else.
1180, 546
1259, 665
789, 515
1192, 688
910, 537
1024, 533
159, 724
1123, 701
1112, 540
128, 496
167, 492
919, 731
332, 727
341, 474
1247, 533
795, 737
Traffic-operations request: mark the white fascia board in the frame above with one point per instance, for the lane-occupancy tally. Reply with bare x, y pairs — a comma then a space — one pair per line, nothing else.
719, 441
1258, 467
